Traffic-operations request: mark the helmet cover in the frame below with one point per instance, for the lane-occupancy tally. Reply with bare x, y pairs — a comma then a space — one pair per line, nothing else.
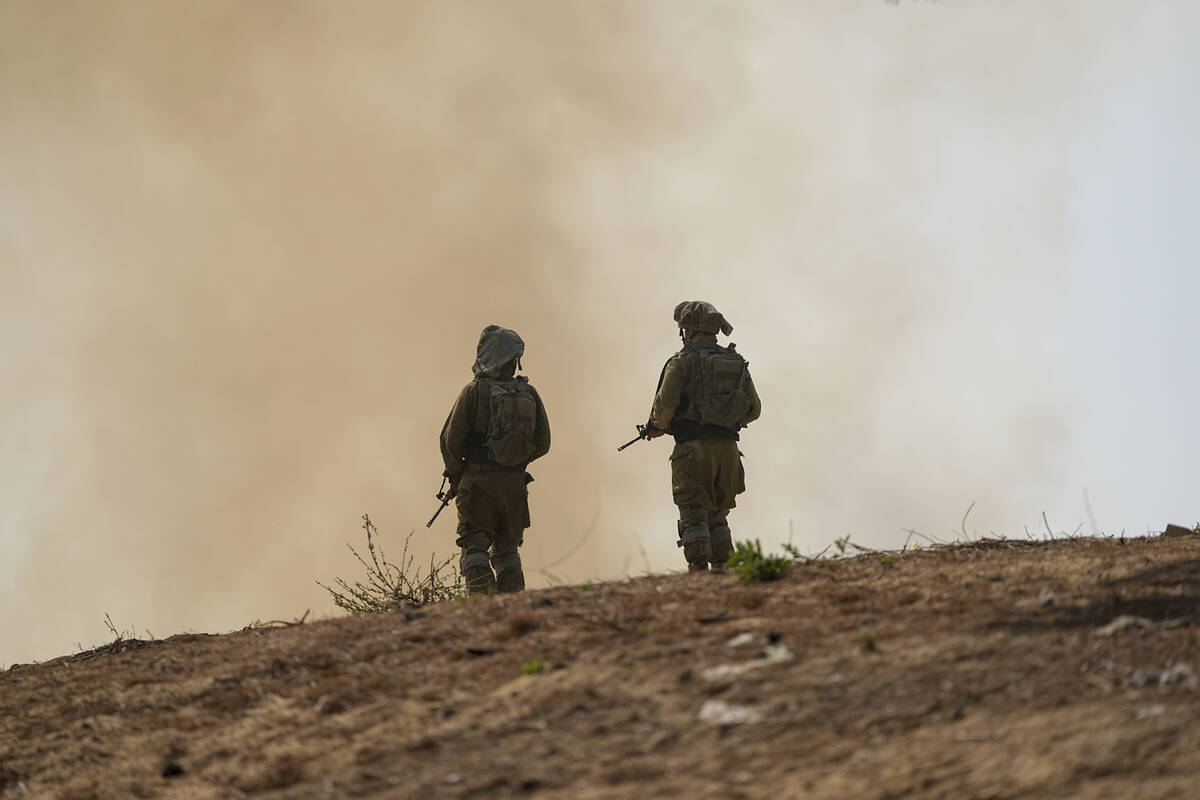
697, 315
497, 347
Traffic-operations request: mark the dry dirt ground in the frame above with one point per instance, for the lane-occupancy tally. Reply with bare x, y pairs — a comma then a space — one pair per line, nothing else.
986, 670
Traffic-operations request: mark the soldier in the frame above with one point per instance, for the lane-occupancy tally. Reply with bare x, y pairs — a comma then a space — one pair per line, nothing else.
705, 395
496, 427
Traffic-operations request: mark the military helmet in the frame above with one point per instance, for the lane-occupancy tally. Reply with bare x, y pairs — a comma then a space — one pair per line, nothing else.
497, 347
697, 315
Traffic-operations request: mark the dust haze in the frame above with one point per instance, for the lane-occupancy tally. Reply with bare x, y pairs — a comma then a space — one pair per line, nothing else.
246, 251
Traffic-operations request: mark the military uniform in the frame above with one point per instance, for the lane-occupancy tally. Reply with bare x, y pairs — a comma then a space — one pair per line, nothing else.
492, 496
706, 465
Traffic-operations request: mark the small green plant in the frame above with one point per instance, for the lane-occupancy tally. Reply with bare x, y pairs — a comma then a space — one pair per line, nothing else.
751, 566
533, 666
389, 586
868, 642
887, 560
841, 544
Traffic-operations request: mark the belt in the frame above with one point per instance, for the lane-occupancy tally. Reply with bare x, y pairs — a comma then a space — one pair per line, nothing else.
493, 468
686, 430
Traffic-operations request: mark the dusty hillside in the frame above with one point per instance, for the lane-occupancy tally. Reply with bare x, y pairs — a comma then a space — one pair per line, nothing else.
991, 670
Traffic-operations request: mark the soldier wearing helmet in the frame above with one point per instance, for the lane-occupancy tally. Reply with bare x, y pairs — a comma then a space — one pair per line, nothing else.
705, 396
496, 427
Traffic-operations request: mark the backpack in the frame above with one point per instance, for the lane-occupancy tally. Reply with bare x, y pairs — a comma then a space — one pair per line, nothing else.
512, 421
723, 400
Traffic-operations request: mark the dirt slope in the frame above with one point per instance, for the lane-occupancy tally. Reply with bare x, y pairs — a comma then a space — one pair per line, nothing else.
977, 671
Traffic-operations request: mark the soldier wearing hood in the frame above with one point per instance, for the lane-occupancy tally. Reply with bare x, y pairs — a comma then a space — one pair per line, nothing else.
705, 396
496, 427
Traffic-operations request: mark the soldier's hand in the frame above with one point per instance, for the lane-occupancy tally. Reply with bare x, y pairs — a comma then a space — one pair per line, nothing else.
452, 492
653, 433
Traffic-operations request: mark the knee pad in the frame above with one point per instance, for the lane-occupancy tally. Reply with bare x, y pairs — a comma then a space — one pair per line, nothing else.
477, 572
695, 540
474, 559
722, 543
506, 562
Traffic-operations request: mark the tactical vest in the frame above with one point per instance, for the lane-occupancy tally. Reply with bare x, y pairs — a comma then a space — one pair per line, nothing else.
715, 402
511, 425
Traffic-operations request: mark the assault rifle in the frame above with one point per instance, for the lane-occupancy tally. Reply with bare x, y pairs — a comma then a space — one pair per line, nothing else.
445, 497
643, 433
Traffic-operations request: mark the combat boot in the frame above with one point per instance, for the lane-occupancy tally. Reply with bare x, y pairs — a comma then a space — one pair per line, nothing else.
477, 572
480, 580
509, 575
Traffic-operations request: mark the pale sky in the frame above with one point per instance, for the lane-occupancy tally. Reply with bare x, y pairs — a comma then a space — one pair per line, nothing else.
1132, 349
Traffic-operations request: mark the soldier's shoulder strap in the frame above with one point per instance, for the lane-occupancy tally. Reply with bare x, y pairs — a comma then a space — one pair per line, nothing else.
662, 373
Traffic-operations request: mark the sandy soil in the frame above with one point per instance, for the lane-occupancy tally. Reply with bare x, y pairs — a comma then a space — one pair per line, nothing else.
988, 670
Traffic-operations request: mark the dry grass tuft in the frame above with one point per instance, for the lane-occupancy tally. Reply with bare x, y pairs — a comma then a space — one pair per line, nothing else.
393, 587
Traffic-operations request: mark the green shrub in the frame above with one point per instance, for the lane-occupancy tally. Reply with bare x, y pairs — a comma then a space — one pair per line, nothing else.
751, 566
533, 666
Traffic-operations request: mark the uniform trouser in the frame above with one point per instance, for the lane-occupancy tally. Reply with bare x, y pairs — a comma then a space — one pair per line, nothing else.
706, 477
493, 513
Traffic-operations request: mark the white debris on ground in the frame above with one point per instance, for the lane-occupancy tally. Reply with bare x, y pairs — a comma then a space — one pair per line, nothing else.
1125, 622
719, 712
1146, 712
771, 654
776, 653
1178, 673
742, 640
723, 671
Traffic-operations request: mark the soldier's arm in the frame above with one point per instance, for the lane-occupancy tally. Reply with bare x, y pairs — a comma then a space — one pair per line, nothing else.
454, 432
670, 392
541, 434
755, 403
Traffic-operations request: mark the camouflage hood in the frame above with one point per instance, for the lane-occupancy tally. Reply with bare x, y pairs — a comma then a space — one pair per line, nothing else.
698, 315
497, 347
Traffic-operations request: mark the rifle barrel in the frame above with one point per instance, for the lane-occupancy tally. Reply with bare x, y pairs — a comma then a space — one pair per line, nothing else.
642, 431
634, 440
445, 502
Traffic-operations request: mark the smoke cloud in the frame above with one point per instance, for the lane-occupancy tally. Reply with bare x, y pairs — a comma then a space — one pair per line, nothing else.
247, 250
